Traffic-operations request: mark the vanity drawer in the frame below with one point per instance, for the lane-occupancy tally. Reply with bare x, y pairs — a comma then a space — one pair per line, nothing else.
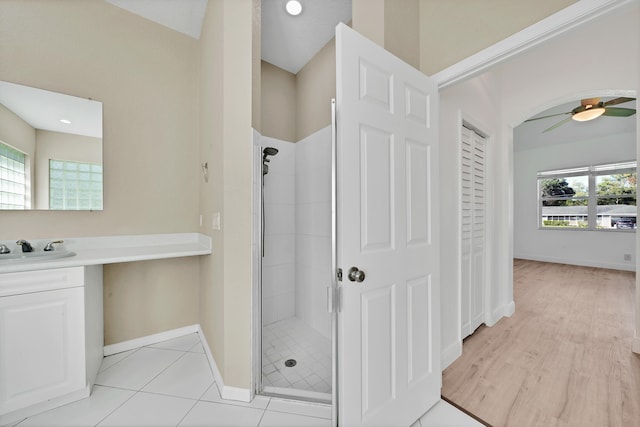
25, 282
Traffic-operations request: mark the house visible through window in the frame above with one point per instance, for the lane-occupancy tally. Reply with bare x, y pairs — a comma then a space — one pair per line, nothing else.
13, 188
75, 185
599, 197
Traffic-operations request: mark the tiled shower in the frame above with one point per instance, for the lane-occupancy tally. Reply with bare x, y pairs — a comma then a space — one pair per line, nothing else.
295, 253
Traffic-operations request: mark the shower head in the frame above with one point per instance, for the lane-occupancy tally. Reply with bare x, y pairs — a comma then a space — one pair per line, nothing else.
269, 151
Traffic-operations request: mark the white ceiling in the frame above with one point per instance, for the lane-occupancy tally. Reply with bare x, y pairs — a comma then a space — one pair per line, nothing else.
184, 16
530, 135
44, 110
288, 42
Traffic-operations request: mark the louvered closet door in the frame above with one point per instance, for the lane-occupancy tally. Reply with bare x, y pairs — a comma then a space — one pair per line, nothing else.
473, 225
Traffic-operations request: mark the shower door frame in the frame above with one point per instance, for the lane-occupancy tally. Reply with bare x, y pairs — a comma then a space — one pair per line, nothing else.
258, 385
256, 388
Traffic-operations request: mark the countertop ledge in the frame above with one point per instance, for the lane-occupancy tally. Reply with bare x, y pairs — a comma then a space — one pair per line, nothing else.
113, 249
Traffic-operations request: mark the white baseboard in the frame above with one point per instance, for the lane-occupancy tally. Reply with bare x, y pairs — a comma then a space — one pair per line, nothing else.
454, 350
506, 310
149, 340
509, 309
236, 393
226, 392
451, 353
584, 263
636, 345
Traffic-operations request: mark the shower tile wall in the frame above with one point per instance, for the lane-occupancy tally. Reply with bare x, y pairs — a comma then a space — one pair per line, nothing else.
278, 264
296, 268
313, 229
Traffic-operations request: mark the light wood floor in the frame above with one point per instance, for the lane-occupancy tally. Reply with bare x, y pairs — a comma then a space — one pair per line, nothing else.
563, 359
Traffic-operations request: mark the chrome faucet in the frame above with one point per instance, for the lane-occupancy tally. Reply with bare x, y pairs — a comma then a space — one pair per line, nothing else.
26, 246
4, 249
49, 246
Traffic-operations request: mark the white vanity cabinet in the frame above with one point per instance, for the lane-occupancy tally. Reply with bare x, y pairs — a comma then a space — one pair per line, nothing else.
49, 354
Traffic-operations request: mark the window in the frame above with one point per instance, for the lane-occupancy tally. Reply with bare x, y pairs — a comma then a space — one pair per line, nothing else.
75, 185
599, 197
13, 188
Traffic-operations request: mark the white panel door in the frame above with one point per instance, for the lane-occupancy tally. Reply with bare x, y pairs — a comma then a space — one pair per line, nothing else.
388, 327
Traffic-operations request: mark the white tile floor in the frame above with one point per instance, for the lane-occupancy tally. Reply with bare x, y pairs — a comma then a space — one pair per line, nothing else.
170, 384
293, 339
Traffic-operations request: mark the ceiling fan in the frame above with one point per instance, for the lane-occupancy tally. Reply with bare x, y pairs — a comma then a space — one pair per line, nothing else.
591, 108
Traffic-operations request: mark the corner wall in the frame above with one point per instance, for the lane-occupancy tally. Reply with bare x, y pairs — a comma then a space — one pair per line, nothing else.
226, 68
278, 103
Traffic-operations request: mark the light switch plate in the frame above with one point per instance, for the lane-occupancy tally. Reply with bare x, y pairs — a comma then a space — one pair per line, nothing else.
215, 221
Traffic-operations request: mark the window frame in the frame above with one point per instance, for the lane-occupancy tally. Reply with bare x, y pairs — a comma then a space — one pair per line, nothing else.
591, 172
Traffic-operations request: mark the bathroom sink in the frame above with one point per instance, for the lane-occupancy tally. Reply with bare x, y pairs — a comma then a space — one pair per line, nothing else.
23, 257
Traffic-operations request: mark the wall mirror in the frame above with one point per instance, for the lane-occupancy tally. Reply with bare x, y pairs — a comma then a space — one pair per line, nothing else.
50, 150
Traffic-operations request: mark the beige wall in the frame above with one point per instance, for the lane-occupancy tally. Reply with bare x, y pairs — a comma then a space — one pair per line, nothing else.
211, 302
402, 30
453, 30
395, 28
278, 103
368, 19
296, 105
149, 297
226, 143
146, 77
315, 87
432, 35
256, 64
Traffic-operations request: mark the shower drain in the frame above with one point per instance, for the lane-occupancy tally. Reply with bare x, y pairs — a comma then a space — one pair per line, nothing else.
290, 363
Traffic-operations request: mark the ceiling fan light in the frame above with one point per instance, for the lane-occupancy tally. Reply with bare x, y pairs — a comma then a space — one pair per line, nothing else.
588, 114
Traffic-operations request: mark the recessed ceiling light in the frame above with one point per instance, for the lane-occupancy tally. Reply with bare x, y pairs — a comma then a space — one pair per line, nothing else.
65, 121
293, 7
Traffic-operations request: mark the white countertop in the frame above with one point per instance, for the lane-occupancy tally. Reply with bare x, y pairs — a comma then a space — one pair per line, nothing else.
112, 249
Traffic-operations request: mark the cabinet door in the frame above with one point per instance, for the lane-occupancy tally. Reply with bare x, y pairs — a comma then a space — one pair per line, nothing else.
41, 347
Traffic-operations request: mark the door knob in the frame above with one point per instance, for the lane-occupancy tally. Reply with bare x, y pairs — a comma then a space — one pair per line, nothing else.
356, 275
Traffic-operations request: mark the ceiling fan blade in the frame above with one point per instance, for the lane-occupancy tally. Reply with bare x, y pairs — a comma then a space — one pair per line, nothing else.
560, 123
589, 101
619, 112
546, 117
615, 101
